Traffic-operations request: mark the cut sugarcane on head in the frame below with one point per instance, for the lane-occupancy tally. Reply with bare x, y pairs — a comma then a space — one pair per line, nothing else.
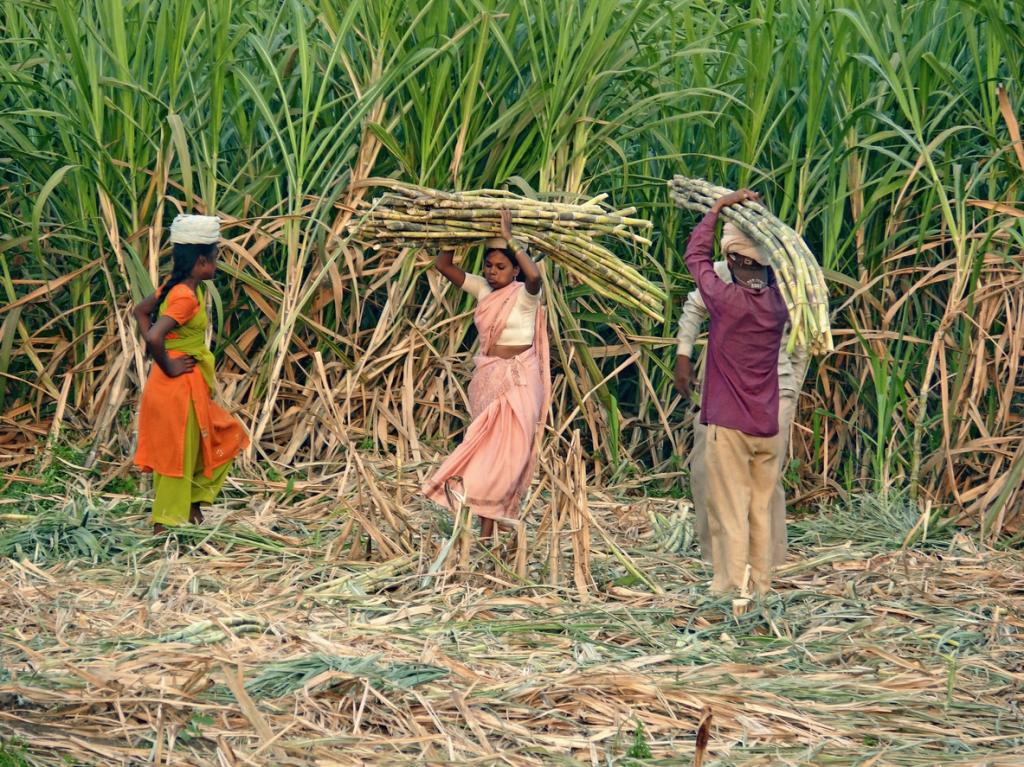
409, 216
799, 276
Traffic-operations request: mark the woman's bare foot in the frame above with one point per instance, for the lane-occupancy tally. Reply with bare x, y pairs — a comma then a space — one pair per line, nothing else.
195, 515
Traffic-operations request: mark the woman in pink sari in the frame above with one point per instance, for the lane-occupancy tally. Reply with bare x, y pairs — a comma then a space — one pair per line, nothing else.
510, 391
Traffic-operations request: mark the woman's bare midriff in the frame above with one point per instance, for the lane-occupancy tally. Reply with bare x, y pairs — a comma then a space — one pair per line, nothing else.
508, 352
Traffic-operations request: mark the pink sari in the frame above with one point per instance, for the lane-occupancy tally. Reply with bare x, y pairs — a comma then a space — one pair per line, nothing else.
509, 401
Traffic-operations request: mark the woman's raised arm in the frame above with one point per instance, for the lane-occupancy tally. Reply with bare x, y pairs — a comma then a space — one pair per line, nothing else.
447, 267
531, 274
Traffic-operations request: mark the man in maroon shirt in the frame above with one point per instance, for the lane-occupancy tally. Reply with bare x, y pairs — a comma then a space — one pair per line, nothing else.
740, 401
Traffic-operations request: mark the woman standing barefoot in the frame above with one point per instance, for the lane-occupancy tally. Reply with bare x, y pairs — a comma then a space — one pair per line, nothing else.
510, 391
186, 440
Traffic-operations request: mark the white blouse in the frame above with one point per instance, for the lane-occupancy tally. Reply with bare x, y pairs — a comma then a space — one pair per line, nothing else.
521, 320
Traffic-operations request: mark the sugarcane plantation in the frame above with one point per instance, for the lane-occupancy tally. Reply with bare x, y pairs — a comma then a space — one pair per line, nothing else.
511, 383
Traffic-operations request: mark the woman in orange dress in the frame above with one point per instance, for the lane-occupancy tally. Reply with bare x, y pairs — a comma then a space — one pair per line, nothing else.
510, 391
185, 439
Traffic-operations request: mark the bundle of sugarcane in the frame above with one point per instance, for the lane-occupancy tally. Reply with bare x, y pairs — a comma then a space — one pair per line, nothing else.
410, 216
673, 532
798, 273
204, 632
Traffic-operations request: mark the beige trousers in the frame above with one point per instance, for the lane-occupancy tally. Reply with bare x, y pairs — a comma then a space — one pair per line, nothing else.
777, 507
742, 472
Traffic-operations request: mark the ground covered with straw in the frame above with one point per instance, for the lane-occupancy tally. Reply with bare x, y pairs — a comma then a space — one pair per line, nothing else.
296, 627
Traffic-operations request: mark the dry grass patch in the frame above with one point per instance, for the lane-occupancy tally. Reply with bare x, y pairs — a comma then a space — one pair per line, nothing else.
281, 634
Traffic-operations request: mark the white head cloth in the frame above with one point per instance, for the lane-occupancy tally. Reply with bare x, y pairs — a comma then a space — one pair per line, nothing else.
187, 229
736, 242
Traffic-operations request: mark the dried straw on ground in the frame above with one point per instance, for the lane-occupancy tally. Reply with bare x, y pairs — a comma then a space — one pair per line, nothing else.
410, 216
799, 275
295, 629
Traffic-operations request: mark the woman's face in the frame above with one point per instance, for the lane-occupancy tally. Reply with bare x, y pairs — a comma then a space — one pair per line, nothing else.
206, 266
499, 270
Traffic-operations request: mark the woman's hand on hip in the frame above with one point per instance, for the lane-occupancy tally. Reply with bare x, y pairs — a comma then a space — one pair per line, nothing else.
177, 366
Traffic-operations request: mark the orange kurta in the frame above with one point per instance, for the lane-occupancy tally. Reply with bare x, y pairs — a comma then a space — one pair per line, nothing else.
163, 412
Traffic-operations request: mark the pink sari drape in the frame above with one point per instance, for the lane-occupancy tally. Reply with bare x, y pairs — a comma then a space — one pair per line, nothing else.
509, 401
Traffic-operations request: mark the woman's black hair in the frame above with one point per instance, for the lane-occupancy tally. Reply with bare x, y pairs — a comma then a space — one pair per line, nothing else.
185, 257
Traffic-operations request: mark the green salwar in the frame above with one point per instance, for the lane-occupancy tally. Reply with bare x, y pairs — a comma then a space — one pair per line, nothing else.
175, 495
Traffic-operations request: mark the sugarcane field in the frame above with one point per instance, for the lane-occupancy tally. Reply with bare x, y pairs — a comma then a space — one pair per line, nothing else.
540, 382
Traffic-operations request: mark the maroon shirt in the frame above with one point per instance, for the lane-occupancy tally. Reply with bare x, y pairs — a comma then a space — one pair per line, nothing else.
741, 381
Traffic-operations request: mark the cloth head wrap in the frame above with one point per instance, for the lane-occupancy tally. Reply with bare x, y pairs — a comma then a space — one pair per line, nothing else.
738, 244
496, 243
187, 229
